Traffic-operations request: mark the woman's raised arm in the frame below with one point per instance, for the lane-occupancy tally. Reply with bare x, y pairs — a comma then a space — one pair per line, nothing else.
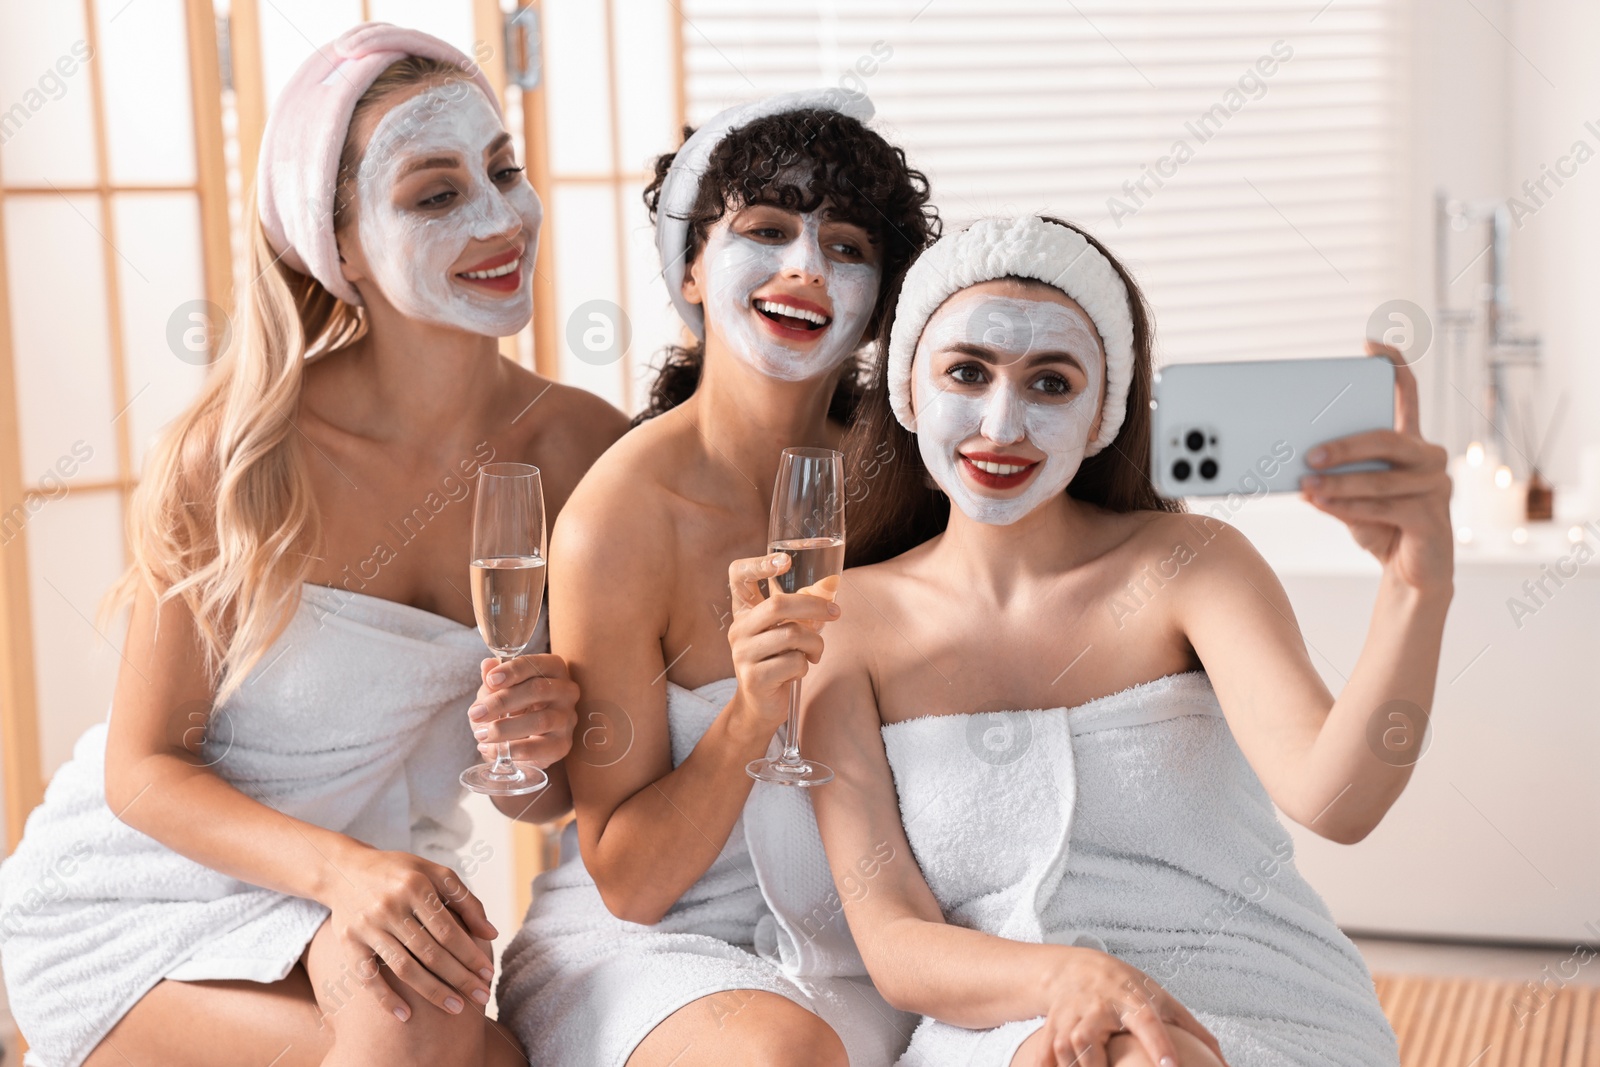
1336, 765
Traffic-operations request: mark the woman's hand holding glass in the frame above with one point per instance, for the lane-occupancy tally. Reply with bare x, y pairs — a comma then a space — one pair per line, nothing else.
774, 639
530, 702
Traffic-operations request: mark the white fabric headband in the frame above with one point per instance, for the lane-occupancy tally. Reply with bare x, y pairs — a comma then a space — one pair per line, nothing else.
1025, 247
681, 188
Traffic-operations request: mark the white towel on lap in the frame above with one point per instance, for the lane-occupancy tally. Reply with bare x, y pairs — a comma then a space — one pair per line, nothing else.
805, 932
354, 721
1134, 823
582, 988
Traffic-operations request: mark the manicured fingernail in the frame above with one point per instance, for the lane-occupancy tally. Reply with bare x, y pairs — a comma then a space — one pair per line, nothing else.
497, 677
401, 1014
778, 558
833, 610
1168, 1061
453, 1005
1316, 455
478, 711
481, 733
485, 973
481, 996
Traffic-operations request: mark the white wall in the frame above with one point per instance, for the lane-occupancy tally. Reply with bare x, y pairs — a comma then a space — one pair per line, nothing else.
1554, 87
1460, 121
1500, 90
1480, 846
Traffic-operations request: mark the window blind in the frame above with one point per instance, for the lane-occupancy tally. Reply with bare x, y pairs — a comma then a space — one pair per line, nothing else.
1240, 158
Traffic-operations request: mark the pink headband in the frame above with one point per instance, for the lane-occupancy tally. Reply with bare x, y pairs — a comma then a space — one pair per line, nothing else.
299, 164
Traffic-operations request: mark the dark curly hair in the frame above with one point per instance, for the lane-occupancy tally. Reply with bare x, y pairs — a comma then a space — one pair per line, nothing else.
799, 160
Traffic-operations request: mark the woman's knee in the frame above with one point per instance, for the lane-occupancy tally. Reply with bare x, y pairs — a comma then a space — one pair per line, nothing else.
1126, 1051
799, 1039
501, 1047
365, 1033
744, 1026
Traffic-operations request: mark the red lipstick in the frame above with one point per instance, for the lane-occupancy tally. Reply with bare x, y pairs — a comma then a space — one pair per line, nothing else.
991, 480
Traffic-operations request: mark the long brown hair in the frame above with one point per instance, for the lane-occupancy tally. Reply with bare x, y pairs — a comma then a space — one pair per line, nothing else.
224, 516
894, 503
864, 180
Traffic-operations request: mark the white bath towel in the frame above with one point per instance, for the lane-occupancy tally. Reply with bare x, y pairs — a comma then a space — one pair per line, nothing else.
582, 988
355, 720
1133, 823
805, 932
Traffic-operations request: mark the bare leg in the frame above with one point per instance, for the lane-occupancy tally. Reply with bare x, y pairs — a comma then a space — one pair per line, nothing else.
366, 1035
1123, 1050
214, 1024
744, 1026
302, 1021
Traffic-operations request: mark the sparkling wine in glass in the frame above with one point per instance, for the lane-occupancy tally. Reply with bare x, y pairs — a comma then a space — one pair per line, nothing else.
807, 525
507, 594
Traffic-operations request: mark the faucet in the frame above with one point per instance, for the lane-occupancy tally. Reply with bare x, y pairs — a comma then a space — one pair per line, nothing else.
1503, 349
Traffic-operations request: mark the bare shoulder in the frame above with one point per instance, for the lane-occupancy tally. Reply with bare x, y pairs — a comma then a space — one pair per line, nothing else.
868, 582
565, 423
872, 597
1212, 561
637, 469
1186, 534
621, 516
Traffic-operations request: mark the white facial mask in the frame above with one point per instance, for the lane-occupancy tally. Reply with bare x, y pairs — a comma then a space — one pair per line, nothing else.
414, 252
734, 267
1003, 411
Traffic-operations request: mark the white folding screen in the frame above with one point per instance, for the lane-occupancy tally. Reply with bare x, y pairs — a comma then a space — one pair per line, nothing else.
1241, 157
290, 29
612, 104
102, 188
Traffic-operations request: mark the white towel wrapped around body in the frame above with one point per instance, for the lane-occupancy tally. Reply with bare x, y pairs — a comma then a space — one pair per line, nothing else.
354, 721
582, 988
1134, 824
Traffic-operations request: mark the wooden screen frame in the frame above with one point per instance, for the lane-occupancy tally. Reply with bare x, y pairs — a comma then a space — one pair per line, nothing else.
19, 708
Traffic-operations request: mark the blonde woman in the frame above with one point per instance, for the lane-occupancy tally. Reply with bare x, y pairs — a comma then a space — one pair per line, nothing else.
250, 862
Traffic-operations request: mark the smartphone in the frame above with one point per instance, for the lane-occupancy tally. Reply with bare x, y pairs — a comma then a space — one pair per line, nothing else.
1245, 427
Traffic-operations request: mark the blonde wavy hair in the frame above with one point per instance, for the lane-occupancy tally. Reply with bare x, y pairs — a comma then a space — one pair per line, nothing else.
224, 516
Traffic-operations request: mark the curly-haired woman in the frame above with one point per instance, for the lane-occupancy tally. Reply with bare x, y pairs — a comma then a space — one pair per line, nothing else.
784, 228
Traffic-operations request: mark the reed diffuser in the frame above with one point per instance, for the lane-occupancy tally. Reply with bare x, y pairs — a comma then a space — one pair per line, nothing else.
1541, 499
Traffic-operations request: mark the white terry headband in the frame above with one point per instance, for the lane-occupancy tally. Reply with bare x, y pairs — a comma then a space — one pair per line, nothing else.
681, 187
1025, 247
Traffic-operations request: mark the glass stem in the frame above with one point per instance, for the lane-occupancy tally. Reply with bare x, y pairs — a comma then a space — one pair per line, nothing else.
791, 740
502, 767
502, 761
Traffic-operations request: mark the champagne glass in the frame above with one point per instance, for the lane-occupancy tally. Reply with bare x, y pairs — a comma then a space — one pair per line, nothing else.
807, 525
507, 593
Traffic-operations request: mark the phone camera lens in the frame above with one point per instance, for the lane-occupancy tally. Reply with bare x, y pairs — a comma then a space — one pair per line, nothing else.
1208, 469
1195, 440
1180, 470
